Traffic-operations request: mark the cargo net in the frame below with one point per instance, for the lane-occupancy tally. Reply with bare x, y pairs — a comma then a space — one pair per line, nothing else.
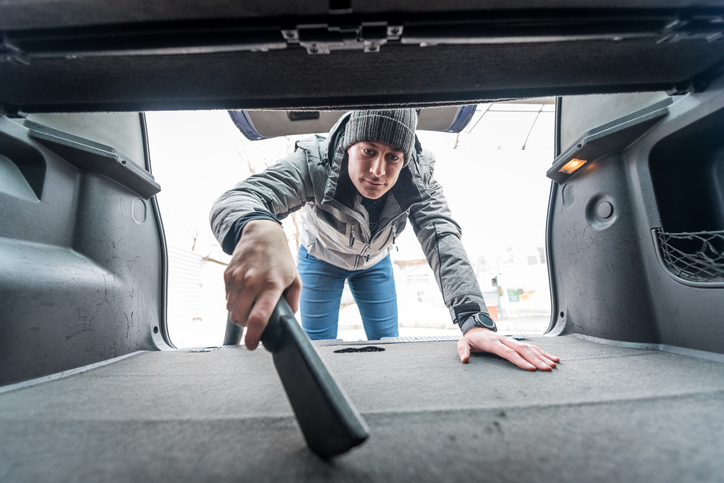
696, 257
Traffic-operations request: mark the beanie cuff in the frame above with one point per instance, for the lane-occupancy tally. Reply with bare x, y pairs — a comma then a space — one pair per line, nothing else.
395, 127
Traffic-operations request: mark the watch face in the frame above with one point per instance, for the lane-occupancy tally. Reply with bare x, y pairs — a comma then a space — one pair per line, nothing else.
485, 321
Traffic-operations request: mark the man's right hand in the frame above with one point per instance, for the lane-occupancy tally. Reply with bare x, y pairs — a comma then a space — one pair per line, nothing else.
260, 271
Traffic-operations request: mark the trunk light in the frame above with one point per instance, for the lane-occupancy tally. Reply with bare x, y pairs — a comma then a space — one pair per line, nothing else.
572, 165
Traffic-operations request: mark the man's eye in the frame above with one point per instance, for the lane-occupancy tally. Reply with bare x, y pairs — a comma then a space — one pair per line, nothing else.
393, 157
368, 152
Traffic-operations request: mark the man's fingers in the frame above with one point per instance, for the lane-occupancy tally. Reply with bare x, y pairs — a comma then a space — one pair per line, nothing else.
530, 354
293, 293
545, 356
238, 297
239, 306
525, 356
507, 353
491, 342
259, 317
550, 357
463, 350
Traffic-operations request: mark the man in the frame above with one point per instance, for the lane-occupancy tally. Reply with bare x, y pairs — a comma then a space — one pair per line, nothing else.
357, 189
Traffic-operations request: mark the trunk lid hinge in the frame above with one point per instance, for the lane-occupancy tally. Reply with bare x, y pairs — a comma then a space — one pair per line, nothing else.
323, 38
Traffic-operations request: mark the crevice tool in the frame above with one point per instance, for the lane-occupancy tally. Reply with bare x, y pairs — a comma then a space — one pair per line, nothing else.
330, 423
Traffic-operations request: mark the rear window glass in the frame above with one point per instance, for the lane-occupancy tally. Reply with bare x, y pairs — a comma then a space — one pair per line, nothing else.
493, 175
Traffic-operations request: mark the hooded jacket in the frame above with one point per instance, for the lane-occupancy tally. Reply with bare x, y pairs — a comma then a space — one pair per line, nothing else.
336, 225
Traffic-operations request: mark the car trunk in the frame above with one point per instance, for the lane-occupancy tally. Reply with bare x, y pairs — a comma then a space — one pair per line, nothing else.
608, 413
93, 389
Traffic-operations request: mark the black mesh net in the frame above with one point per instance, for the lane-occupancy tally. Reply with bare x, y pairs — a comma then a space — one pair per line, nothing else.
696, 257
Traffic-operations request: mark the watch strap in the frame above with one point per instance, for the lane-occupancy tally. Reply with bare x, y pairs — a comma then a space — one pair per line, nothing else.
471, 321
467, 324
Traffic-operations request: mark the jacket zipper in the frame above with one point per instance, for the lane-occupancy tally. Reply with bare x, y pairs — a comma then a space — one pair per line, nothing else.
362, 254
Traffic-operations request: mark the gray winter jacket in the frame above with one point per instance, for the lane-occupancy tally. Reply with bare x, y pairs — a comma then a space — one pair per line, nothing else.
335, 224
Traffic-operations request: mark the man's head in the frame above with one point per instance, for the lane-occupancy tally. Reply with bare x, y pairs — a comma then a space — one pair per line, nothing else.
379, 143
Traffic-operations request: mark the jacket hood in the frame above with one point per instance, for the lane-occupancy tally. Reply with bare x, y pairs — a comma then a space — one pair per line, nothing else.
334, 137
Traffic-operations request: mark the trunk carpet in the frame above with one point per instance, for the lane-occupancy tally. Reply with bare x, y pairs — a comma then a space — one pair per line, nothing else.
606, 414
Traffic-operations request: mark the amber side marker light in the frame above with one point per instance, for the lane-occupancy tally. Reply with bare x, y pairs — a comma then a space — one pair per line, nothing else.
572, 165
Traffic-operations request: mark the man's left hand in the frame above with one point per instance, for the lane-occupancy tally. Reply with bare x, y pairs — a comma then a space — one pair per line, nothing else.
525, 356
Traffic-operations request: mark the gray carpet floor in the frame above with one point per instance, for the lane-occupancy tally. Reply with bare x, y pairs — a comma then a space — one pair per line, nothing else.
605, 414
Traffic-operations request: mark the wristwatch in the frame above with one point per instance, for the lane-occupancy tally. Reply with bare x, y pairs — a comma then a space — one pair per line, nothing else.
481, 319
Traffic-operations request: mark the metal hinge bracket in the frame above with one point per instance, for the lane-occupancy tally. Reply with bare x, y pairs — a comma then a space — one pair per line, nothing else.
323, 38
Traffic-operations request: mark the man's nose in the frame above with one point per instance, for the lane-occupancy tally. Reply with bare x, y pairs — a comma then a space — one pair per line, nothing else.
378, 166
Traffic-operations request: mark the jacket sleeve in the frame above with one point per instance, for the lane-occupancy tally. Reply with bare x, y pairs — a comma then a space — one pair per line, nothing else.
279, 190
440, 238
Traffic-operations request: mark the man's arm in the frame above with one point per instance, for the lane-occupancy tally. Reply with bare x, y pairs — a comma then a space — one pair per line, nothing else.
279, 190
440, 238
261, 268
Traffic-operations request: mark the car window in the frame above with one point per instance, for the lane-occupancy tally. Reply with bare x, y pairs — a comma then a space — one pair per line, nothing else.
493, 175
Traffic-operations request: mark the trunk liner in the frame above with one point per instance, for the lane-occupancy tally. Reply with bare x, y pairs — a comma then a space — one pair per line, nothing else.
606, 414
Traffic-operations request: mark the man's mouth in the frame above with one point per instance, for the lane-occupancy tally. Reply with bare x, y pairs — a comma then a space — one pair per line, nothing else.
374, 183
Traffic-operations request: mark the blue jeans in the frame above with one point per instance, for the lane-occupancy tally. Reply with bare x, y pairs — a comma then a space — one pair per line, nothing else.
373, 290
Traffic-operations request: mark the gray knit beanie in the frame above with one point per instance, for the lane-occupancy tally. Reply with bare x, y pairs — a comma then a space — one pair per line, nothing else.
395, 127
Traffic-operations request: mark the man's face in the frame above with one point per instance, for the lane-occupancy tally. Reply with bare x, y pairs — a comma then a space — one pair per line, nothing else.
374, 167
